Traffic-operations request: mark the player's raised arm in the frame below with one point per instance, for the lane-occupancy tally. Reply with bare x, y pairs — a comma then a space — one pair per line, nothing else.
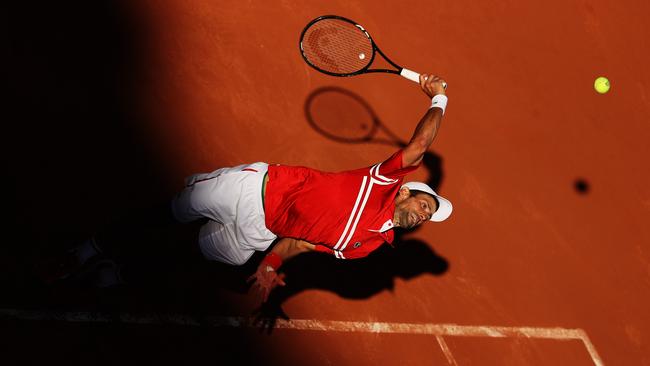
427, 128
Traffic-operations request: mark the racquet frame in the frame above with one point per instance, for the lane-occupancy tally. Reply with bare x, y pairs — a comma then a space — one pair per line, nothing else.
366, 69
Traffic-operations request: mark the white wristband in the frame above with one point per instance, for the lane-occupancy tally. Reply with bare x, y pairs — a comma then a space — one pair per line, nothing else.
439, 101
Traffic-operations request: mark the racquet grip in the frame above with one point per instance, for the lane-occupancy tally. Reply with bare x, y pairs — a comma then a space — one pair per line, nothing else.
414, 76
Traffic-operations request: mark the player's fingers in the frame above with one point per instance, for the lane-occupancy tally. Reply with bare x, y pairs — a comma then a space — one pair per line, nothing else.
437, 80
258, 293
431, 83
442, 83
281, 279
423, 79
265, 295
251, 278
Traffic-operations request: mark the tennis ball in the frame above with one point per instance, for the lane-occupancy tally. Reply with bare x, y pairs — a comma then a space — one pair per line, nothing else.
601, 85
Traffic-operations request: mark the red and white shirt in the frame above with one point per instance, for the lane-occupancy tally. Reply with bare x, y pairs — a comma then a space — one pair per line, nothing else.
348, 214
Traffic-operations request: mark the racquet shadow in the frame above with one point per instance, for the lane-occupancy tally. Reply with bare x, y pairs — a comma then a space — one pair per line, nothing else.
343, 116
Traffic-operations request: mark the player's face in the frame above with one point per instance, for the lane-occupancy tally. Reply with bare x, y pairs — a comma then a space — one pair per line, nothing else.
414, 210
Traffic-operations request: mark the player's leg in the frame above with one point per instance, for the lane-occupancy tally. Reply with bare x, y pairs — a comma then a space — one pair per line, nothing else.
100, 257
134, 234
218, 242
197, 201
237, 228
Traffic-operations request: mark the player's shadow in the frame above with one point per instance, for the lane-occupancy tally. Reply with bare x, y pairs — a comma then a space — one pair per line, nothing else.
343, 116
352, 279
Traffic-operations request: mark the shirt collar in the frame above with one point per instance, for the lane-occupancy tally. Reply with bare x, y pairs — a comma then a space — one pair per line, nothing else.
385, 227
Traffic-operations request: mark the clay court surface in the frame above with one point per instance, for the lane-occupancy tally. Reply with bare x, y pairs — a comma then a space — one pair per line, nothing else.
544, 261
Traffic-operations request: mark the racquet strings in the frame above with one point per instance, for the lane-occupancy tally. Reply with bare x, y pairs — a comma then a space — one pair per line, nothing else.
336, 46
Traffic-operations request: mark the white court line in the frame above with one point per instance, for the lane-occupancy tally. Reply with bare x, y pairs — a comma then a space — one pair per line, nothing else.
438, 330
446, 351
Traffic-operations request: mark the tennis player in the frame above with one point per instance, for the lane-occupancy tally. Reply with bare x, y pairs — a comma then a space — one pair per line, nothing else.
347, 214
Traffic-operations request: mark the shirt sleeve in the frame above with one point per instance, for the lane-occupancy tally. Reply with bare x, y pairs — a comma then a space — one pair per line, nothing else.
323, 249
392, 167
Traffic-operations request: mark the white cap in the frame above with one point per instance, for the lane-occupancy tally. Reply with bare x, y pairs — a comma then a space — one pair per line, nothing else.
444, 206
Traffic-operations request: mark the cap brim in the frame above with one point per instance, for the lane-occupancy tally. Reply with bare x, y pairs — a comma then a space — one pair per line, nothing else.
443, 212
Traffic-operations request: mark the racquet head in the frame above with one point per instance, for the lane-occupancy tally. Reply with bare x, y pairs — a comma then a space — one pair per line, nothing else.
336, 46
343, 116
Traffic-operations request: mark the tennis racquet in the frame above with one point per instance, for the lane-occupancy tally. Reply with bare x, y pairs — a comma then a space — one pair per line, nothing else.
340, 47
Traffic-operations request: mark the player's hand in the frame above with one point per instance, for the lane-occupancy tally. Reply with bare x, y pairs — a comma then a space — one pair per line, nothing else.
432, 85
265, 279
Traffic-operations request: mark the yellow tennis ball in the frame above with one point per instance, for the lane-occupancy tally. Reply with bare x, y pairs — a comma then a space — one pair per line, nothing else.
601, 85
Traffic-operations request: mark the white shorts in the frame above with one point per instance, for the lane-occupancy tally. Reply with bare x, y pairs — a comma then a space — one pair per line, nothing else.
231, 198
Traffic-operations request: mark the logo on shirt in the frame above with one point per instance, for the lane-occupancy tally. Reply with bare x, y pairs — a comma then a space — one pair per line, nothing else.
357, 244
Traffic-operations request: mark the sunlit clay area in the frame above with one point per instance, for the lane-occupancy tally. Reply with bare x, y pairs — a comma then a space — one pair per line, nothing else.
449, 183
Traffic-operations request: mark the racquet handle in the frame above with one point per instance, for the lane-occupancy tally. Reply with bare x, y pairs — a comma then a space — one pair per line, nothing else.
415, 77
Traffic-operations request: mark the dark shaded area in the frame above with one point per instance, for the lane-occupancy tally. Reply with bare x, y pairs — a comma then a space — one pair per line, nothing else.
74, 152
77, 161
343, 116
43, 342
75, 157
581, 186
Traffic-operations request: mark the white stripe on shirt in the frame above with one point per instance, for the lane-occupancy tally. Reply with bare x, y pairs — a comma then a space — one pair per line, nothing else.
354, 210
355, 215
